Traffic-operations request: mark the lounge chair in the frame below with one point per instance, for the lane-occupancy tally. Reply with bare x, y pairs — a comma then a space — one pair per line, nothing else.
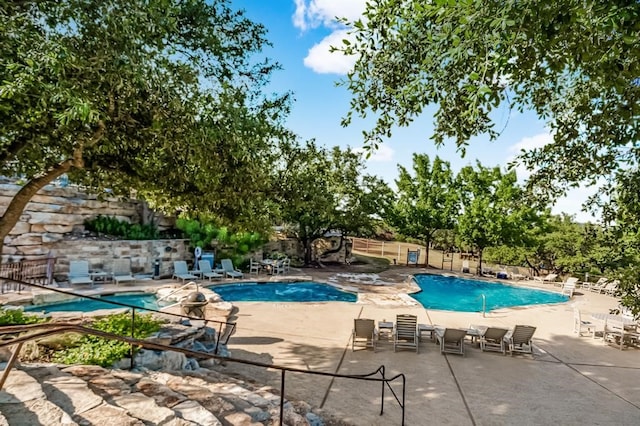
122, 271
492, 339
229, 270
550, 278
363, 334
465, 266
181, 271
79, 273
520, 339
579, 324
569, 286
599, 285
451, 340
611, 288
514, 274
405, 335
207, 272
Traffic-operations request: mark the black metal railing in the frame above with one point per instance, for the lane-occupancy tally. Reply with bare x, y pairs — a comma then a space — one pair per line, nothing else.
224, 329
55, 328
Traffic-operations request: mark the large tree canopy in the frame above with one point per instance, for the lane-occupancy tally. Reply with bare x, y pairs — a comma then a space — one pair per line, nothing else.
427, 200
573, 62
163, 97
320, 190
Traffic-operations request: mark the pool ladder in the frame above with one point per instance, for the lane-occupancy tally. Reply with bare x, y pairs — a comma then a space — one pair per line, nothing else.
484, 305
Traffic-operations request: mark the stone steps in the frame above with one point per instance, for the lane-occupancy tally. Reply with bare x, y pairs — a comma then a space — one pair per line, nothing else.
48, 394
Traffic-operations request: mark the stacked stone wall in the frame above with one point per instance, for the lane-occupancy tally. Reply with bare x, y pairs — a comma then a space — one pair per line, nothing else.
53, 224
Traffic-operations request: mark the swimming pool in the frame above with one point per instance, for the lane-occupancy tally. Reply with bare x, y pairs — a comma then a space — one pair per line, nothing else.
306, 291
465, 295
142, 300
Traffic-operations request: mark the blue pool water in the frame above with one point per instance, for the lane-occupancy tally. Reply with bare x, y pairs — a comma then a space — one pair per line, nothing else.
465, 295
282, 292
87, 305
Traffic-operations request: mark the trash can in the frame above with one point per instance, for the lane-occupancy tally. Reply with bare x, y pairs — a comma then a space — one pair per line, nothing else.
156, 269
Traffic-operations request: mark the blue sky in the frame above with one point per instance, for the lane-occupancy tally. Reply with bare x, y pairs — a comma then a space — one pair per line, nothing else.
302, 31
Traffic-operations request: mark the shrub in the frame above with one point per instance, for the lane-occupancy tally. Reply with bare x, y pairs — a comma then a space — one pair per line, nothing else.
104, 352
18, 317
119, 228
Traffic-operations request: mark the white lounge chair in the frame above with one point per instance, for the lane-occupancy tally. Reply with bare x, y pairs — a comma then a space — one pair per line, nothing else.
599, 285
79, 273
363, 334
451, 340
405, 335
181, 271
122, 271
492, 339
229, 270
514, 274
569, 286
520, 339
208, 272
550, 278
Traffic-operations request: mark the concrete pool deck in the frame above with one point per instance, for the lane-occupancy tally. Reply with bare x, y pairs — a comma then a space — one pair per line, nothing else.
569, 380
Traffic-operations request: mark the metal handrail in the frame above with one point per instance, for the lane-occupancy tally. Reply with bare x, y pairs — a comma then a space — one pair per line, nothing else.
190, 283
55, 328
229, 327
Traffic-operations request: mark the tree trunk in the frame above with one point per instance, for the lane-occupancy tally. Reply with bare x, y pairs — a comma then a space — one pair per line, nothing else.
25, 194
479, 270
426, 255
306, 243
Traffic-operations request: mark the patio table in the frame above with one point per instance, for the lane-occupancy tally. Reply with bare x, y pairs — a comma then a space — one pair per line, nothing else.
627, 323
385, 330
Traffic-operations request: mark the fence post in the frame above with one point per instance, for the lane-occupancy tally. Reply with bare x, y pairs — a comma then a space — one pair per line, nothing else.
282, 399
382, 249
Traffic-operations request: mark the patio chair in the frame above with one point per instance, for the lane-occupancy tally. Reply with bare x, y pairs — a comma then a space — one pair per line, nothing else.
550, 278
405, 335
79, 273
611, 287
278, 267
363, 334
492, 339
229, 270
122, 271
207, 272
286, 264
569, 286
579, 325
451, 340
254, 267
465, 266
181, 271
520, 339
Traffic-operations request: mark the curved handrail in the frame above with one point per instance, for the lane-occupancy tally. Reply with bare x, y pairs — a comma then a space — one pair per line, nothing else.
229, 327
190, 283
484, 305
55, 328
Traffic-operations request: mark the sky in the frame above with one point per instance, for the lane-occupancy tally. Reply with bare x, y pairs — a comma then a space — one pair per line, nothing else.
302, 31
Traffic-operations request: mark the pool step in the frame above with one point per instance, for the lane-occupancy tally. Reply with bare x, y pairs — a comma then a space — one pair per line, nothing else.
49, 394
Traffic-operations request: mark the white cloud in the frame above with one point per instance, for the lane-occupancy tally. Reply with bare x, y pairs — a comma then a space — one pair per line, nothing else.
322, 61
314, 13
526, 144
384, 154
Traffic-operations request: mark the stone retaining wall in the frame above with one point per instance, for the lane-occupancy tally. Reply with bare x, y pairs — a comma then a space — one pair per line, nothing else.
53, 222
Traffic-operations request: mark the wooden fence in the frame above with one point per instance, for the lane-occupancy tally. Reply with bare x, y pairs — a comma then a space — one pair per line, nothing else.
37, 271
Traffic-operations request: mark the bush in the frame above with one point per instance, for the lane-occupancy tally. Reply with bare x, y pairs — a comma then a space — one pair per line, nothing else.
104, 352
119, 228
18, 317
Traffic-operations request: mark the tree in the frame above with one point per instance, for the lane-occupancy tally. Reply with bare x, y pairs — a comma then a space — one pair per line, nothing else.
426, 200
162, 97
572, 62
493, 211
320, 190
